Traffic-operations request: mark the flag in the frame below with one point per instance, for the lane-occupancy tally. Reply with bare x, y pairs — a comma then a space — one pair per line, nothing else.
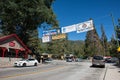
85, 26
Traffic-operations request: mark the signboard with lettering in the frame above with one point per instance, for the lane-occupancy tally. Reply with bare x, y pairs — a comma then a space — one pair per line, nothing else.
59, 36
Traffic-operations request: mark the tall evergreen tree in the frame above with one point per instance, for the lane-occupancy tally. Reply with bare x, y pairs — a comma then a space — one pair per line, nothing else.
113, 47
92, 44
115, 42
118, 31
104, 41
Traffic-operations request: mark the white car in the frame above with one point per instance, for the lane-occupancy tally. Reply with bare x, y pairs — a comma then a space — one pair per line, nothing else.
26, 62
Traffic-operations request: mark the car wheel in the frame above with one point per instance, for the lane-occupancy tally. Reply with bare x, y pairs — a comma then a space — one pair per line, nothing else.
35, 64
24, 64
93, 65
103, 66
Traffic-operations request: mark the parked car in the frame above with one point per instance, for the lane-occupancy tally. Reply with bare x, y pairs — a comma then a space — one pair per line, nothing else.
98, 61
26, 62
69, 60
114, 60
111, 60
108, 60
48, 60
78, 60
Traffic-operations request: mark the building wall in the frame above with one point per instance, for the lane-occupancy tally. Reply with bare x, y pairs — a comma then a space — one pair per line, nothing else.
6, 61
11, 43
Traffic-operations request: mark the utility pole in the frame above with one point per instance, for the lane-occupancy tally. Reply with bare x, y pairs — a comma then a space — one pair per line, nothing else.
115, 30
116, 39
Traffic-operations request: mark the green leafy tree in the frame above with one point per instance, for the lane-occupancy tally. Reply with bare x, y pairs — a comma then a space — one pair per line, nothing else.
64, 46
114, 43
23, 16
78, 48
113, 47
118, 31
57, 46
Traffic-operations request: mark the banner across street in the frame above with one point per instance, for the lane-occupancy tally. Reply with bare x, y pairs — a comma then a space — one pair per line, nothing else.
55, 34
85, 26
80, 27
68, 29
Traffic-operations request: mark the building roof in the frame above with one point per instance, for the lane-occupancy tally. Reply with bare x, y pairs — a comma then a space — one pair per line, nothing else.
16, 37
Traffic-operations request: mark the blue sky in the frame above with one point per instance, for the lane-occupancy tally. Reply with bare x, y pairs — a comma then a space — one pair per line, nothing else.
71, 12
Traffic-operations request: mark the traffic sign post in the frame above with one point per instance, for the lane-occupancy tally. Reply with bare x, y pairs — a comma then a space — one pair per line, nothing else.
118, 49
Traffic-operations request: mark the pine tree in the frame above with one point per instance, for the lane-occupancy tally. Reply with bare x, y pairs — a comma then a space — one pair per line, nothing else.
118, 31
113, 47
92, 44
104, 41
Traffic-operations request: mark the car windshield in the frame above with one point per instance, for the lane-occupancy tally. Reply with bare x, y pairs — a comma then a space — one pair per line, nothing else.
22, 59
27, 59
98, 57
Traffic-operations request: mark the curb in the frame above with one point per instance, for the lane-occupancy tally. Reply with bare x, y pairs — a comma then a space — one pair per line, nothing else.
12, 65
103, 75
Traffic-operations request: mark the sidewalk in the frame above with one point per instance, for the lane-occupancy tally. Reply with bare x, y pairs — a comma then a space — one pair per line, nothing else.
11, 64
6, 65
7, 62
112, 72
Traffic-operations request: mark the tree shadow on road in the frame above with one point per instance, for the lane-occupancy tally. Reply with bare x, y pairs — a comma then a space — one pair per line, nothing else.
95, 66
116, 64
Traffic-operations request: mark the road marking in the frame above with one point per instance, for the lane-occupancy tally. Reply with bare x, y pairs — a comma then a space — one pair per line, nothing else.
105, 72
37, 72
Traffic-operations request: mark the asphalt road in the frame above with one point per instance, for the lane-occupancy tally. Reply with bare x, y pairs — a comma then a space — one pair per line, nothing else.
58, 70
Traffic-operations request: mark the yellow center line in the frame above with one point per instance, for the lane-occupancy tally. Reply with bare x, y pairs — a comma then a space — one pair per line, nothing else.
24, 74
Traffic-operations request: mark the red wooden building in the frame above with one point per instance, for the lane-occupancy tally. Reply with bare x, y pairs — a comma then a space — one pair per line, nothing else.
12, 46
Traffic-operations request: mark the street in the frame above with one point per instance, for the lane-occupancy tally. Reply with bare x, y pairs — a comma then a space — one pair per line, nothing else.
58, 70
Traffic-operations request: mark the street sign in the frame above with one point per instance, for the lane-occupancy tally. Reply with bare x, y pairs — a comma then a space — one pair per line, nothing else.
118, 49
59, 36
46, 39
